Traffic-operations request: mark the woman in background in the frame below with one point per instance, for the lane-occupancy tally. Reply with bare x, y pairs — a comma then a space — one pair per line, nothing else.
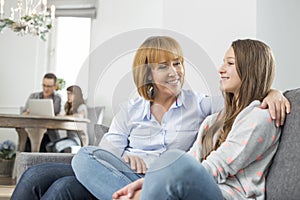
76, 107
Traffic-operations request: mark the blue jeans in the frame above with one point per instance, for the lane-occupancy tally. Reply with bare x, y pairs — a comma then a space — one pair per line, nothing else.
50, 181
176, 175
101, 172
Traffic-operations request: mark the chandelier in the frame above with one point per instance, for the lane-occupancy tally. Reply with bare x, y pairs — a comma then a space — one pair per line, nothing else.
29, 17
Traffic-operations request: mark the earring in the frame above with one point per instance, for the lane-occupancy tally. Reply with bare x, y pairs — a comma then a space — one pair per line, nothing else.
150, 91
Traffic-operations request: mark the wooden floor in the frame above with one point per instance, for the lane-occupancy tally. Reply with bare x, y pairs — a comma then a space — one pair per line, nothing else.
7, 186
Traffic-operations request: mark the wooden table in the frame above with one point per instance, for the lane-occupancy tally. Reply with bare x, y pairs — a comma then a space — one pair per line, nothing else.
35, 127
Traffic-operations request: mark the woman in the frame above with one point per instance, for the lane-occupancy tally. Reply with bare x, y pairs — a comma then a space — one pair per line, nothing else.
76, 107
164, 117
235, 146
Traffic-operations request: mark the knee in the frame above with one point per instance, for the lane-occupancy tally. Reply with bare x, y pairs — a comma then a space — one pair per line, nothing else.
35, 170
63, 188
82, 155
177, 161
67, 187
186, 167
64, 183
82, 161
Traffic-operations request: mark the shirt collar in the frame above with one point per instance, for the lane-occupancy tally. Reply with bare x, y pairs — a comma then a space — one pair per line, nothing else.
147, 112
178, 103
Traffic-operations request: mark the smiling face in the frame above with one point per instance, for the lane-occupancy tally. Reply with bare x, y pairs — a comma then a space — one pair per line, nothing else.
230, 80
154, 67
167, 76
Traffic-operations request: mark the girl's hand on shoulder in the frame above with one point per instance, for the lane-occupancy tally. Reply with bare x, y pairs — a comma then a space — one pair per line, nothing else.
130, 191
136, 163
278, 106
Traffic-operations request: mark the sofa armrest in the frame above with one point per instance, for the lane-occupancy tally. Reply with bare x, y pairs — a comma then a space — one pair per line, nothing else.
25, 160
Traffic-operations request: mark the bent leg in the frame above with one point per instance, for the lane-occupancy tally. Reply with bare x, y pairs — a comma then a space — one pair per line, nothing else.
67, 188
101, 172
176, 175
37, 179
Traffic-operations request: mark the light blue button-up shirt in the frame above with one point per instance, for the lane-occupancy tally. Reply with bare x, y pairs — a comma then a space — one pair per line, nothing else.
134, 130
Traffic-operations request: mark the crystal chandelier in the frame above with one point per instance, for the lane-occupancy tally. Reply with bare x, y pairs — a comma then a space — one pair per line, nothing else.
29, 17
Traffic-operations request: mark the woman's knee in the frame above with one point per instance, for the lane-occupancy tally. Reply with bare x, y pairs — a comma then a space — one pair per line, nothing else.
82, 155
67, 188
37, 171
175, 159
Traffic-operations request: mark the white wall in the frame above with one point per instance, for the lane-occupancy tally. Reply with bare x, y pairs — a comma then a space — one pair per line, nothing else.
22, 66
279, 26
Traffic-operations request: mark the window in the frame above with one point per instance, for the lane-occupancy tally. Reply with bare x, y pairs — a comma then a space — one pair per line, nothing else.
71, 49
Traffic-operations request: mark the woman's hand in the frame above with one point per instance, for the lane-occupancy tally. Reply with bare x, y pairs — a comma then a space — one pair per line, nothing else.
130, 191
136, 163
278, 106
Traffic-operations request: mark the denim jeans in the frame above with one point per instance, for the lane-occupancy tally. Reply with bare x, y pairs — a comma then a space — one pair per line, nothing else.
101, 172
176, 175
50, 181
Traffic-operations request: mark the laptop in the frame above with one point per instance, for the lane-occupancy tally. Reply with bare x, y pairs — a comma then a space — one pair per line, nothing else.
41, 107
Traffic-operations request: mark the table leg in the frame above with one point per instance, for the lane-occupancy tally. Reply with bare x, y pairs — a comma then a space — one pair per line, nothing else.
83, 137
35, 135
22, 138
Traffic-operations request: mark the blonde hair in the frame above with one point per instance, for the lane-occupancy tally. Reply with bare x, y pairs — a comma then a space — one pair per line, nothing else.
255, 66
149, 53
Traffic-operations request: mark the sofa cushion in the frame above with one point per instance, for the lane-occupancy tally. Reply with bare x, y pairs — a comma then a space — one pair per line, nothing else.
27, 159
95, 115
100, 130
283, 180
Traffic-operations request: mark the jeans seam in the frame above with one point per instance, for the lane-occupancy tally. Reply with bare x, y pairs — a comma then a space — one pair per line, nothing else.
108, 166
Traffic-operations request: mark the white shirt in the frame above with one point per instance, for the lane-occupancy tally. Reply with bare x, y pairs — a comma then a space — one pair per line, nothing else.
135, 131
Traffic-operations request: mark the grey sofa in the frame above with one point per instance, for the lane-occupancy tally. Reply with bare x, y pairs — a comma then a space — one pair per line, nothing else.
25, 160
283, 180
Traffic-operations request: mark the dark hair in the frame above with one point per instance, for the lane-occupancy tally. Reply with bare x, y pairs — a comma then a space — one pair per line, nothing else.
51, 76
71, 108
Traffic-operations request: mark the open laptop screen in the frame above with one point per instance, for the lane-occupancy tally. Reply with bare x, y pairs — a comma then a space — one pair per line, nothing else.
41, 107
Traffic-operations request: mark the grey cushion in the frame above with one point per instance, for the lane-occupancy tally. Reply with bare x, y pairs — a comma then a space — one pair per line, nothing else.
95, 115
100, 130
27, 159
283, 180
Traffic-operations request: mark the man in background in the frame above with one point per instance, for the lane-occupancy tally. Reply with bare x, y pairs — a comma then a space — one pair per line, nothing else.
49, 88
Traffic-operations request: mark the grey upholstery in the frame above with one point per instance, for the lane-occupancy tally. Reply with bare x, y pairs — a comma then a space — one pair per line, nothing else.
27, 159
283, 180
95, 115
100, 130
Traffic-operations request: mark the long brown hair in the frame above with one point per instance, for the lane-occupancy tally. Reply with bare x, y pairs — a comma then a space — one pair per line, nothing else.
71, 108
255, 66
